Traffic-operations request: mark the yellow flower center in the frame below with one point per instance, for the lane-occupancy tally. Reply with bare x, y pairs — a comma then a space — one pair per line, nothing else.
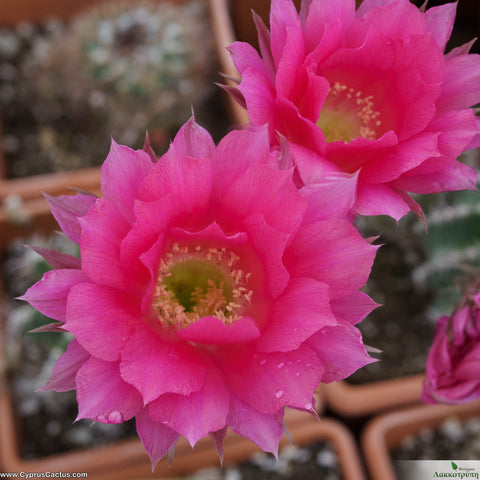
198, 282
348, 114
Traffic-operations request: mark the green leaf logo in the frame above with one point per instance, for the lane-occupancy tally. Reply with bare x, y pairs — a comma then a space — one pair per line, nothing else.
454, 466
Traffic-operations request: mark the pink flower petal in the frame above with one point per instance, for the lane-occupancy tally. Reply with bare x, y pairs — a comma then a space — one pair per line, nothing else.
410, 154
461, 50
153, 220
211, 330
339, 257
217, 438
320, 13
461, 84
65, 370
67, 209
443, 176
467, 368
284, 18
332, 197
460, 326
264, 429
439, 359
212, 233
341, 351
294, 319
395, 18
265, 46
456, 131
103, 229
255, 148
380, 200
166, 367
475, 141
352, 156
312, 167
157, 439
244, 56
297, 129
260, 102
267, 382
122, 173
269, 245
312, 95
99, 318
353, 308
291, 59
415, 208
151, 260
147, 148
102, 394
57, 259
188, 179
197, 414
258, 191
49, 295
329, 39
235, 93
49, 327
192, 140
439, 21
462, 392
367, 5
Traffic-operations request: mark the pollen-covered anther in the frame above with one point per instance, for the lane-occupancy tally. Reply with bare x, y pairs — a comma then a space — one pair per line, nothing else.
347, 114
194, 282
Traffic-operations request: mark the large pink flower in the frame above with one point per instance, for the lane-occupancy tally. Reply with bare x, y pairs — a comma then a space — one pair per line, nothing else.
453, 364
208, 295
367, 91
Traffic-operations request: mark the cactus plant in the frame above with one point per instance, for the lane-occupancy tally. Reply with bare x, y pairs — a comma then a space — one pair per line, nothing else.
117, 70
452, 245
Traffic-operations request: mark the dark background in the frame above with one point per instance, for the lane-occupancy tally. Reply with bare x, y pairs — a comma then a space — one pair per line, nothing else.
467, 24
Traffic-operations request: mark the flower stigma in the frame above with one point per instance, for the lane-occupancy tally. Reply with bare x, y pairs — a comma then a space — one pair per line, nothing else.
198, 282
348, 114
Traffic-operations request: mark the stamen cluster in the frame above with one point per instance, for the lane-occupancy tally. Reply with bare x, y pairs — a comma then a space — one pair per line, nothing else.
225, 296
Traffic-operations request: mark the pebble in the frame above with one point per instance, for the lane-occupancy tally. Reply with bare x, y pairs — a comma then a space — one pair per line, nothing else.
327, 458
10, 44
453, 439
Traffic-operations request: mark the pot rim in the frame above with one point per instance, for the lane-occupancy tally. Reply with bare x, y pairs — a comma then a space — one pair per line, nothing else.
386, 431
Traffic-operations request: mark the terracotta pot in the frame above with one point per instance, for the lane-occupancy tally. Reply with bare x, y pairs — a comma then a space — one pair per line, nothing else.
360, 400
386, 432
15, 11
304, 430
23, 210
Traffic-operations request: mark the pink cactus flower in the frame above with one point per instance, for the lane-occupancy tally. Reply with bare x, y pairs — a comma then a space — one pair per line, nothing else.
454, 360
208, 295
367, 91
